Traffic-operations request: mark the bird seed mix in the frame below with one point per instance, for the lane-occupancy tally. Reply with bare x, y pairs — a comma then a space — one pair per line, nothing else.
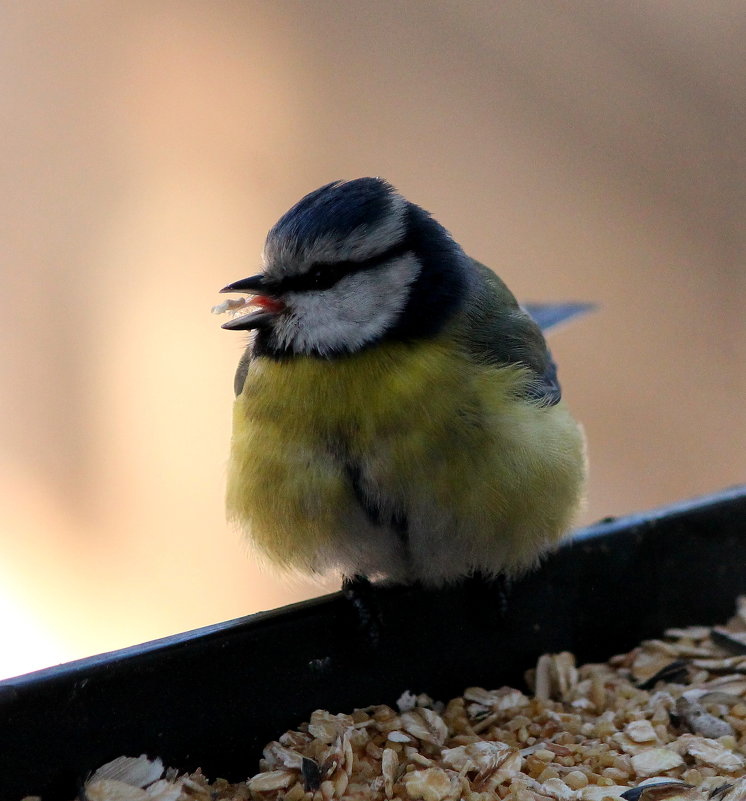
664, 722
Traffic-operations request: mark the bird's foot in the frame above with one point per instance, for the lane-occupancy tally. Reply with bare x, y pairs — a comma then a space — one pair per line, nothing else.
361, 593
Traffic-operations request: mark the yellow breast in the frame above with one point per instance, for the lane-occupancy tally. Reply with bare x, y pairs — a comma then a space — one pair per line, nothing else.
450, 443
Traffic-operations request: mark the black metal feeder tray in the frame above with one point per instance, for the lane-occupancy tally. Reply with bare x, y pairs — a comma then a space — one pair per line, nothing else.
212, 698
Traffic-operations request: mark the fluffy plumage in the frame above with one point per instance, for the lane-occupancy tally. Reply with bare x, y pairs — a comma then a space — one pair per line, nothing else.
398, 414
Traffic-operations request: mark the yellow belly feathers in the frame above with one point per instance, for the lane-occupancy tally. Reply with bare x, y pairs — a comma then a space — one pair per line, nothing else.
486, 479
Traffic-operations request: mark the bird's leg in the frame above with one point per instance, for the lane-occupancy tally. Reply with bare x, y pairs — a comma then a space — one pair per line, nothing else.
361, 593
502, 585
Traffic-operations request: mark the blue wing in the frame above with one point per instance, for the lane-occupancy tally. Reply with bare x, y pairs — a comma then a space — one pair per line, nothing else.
550, 315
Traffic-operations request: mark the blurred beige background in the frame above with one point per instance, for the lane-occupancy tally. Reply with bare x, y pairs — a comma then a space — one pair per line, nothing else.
585, 150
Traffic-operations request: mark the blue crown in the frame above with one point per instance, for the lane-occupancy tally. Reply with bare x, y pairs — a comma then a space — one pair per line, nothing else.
335, 211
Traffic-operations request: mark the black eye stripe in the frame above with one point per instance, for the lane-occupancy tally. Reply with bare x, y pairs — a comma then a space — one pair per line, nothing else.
323, 275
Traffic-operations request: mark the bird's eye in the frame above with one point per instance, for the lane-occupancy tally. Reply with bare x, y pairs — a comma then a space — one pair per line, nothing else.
323, 277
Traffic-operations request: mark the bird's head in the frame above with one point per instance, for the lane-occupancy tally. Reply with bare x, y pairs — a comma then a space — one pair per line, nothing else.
350, 264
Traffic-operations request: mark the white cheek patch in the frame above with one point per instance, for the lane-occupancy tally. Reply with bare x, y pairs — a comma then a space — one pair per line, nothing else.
289, 258
354, 312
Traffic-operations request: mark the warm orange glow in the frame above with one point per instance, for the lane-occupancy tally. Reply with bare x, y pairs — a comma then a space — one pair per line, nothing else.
587, 153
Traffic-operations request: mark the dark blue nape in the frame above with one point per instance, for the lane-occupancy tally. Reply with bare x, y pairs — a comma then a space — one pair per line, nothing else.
334, 210
440, 288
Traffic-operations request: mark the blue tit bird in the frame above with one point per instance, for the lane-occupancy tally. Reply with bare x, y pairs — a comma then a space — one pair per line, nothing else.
398, 414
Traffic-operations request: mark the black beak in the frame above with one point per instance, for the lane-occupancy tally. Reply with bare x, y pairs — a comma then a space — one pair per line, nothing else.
262, 318
253, 285
257, 319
